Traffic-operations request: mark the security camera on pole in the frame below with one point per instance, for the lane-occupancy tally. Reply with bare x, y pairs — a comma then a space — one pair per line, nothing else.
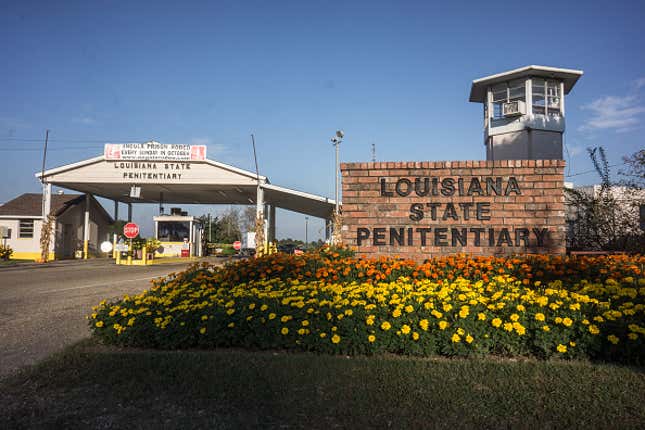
336, 141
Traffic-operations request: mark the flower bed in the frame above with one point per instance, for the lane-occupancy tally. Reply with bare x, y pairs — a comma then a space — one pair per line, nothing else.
584, 307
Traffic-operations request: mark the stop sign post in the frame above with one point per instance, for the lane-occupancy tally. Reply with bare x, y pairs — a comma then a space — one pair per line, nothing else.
130, 230
237, 245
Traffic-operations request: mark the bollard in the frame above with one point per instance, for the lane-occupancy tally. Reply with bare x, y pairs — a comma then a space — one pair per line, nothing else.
144, 256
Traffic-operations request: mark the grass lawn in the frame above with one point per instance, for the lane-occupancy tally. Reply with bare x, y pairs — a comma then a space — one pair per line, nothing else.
90, 386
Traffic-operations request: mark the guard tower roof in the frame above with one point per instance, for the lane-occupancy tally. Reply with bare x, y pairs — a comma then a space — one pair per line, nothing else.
568, 76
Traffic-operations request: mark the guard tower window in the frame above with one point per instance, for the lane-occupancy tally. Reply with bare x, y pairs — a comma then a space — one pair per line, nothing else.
26, 229
507, 92
173, 231
546, 97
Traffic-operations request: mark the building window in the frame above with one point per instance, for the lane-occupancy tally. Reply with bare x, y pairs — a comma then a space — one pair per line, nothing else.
173, 231
26, 228
507, 92
546, 97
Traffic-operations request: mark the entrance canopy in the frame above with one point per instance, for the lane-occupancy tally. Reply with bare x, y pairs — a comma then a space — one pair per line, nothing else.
200, 181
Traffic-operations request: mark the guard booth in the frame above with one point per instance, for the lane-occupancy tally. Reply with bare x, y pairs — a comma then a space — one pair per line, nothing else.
524, 117
180, 234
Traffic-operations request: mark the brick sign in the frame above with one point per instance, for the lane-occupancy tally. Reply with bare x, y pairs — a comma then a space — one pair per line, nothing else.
420, 209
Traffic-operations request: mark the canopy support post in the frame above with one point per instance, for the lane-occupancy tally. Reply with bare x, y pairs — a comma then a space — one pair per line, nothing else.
86, 227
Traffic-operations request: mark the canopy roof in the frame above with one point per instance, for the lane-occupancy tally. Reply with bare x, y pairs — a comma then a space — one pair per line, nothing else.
178, 182
568, 76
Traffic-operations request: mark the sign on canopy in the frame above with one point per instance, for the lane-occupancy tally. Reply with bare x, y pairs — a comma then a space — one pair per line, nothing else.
154, 151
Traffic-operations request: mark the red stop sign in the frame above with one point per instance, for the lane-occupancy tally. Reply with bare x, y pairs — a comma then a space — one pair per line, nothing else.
131, 230
237, 245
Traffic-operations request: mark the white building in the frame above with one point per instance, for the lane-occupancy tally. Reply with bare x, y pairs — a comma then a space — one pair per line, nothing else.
22, 221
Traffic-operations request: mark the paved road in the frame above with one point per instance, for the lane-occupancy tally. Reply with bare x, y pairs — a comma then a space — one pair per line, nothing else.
43, 308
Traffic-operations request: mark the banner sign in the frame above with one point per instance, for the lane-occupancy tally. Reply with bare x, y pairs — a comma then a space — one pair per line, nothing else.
154, 151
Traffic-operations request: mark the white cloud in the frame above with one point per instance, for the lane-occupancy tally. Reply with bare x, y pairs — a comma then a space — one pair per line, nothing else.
639, 83
574, 150
621, 114
212, 148
85, 120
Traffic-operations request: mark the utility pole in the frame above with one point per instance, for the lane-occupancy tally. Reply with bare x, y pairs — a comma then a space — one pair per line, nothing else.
42, 173
373, 152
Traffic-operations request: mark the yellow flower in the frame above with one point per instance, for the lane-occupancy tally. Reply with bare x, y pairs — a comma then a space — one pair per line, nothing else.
396, 313
415, 335
323, 335
443, 325
447, 307
272, 316
558, 320
349, 312
456, 338
515, 317
546, 328
461, 331
202, 330
264, 307
567, 322
99, 324
572, 343
496, 322
231, 325
285, 318
520, 308
593, 329
230, 311
539, 317
301, 331
409, 309
284, 330
424, 324
305, 323
561, 348
371, 338
386, 326
435, 313
370, 320
519, 328
508, 326
464, 311
469, 339
252, 306
632, 336
613, 339
335, 338
405, 329
481, 316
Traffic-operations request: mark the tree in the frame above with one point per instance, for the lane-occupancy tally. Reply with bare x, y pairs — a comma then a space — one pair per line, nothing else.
229, 226
604, 217
634, 175
247, 220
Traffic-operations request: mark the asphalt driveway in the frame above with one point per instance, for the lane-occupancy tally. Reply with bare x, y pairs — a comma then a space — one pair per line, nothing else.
43, 308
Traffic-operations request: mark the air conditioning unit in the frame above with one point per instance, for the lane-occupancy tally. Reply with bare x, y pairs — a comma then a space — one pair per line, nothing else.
514, 108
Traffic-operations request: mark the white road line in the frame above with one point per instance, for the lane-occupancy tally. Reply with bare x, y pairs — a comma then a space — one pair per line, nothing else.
105, 284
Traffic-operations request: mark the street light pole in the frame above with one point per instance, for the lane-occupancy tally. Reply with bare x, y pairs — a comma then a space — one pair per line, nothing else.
306, 232
336, 140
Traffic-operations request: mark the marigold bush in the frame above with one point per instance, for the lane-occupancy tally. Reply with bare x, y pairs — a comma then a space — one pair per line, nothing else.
543, 306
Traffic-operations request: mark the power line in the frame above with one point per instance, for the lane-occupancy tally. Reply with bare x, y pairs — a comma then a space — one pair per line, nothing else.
592, 170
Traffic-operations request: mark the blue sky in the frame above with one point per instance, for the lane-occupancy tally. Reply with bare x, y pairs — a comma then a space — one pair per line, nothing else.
391, 73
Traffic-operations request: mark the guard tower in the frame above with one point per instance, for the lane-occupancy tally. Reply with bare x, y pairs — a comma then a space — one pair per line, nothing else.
524, 111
